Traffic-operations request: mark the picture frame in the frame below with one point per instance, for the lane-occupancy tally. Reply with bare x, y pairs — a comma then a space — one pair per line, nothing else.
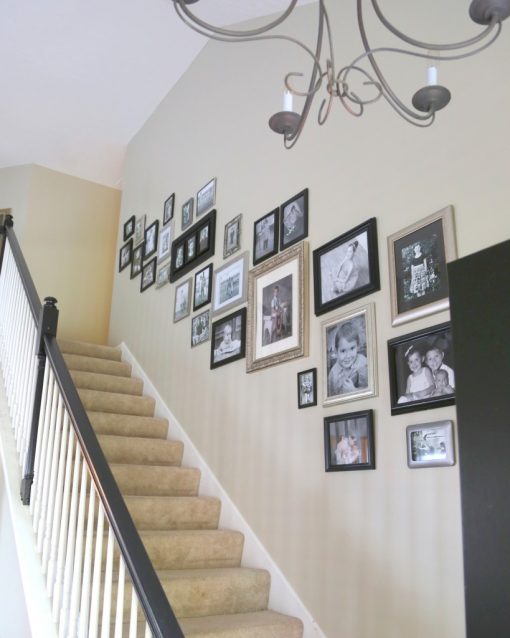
163, 275
203, 238
228, 338
421, 368
136, 261
148, 275
129, 228
165, 243
187, 214
200, 328
179, 256
232, 236
430, 444
278, 302
125, 255
181, 262
230, 284
418, 257
294, 220
349, 442
346, 268
203, 287
349, 356
265, 236
206, 197
307, 388
191, 248
168, 209
182, 302
150, 243
139, 230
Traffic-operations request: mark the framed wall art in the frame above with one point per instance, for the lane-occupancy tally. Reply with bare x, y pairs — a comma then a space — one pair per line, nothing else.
136, 262
139, 230
203, 287
294, 220
349, 442
430, 444
150, 244
168, 209
418, 256
349, 356
203, 239
148, 275
230, 284
346, 268
187, 214
165, 243
125, 255
163, 276
307, 388
265, 237
193, 247
228, 338
206, 197
232, 236
182, 300
129, 228
200, 325
278, 303
421, 367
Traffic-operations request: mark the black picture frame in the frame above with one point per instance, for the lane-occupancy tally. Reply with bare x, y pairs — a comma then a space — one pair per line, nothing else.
187, 213
432, 348
129, 228
307, 388
222, 352
346, 268
125, 255
148, 274
136, 261
203, 238
265, 236
294, 219
168, 209
349, 442
181, 266
150, 239
202, 290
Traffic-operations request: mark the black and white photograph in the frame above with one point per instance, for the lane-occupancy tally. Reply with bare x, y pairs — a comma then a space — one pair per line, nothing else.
163, 275
294, 220
232, 237
129, 228
148, 275
307, 388
203, 287
228, 338
136, 262
168, 209
203, 239
349, 356
349, 441
277, 310
191, 248
150, 244
418, 258
165, 243
200, 328
182, 300
265, 237
125, 255
187, 214
430, 444
422, 369
139, 230
230, 284
206, 197
346, 268
179, 256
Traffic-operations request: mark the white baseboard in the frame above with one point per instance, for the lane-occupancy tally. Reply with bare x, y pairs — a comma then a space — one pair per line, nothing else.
282, 598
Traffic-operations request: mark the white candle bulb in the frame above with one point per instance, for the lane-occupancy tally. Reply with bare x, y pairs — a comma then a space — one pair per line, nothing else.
432, 76
287, 101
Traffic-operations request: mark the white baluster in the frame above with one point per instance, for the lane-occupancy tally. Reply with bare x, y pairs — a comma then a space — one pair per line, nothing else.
119, 616
40, 429
133, 618
87, 566
96, 579
107, 591
78, 554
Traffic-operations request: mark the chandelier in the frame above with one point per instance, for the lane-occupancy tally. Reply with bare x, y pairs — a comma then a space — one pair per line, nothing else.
337, 84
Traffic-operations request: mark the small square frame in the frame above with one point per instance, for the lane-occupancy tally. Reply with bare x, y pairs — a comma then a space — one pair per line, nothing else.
307, 388
203, 287
349, 442
294, 220
129, 228
232, 236
148, 275
182, 301
222, 354
168, 209
265, 236
430, 444
206, 197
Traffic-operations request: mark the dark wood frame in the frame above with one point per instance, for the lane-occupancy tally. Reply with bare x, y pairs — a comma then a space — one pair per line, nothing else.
130, 223
216, 324
155, 224
276, 214
139, 249
152, 266
313, 371
129, 245
200, 257
370, 228
370, 464
171, 203
209, 288
303, 194
236, 221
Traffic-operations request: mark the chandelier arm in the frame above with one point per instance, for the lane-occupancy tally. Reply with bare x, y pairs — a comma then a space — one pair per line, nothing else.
352, 97
428, 45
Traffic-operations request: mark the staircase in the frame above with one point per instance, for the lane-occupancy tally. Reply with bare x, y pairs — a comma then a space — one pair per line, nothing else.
198, 564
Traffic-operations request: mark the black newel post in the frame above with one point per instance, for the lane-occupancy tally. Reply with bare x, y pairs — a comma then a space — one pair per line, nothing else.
48, 320
5, 221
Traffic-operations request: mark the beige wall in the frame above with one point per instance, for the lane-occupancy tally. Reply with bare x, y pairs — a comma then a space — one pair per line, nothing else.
375, 553
67, 230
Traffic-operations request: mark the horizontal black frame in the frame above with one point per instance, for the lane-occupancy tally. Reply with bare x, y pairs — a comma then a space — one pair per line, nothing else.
209, 219
349, 467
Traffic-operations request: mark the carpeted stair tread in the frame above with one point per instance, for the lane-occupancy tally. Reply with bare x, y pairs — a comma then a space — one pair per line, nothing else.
95, 364
107, 382
89, 349
259, 624
174, 512
141, 451
98, 401
156, 480
128, 425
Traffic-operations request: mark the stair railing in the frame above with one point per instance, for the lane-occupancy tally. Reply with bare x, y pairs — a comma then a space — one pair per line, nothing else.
98, 575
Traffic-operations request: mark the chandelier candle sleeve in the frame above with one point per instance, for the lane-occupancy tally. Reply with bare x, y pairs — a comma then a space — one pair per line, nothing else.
432, 76
287, 101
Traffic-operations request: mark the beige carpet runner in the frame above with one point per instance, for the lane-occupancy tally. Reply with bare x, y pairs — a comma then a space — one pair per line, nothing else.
197, 563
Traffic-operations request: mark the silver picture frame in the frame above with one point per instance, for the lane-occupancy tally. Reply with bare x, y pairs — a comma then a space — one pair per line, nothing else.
430, 444
230, 284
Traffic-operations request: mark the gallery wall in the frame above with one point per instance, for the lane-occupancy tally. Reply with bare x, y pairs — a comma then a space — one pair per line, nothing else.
372, 553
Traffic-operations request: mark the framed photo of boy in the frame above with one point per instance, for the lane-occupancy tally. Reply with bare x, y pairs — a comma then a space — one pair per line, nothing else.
232, 236
430, 444
125, 255
278, 303
200, 325
206, 197
203, 287
168, 209
129, 228
349, 356
136, 262
150, 244
265, 237
346, 268
230, 284
421, 367
228, 338
187, 214
349, 442
418, 256
307, 388
182, 300
148, 275
294, 220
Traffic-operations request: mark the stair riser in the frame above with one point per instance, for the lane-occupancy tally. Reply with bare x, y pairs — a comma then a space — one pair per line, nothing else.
174, 513
107, 383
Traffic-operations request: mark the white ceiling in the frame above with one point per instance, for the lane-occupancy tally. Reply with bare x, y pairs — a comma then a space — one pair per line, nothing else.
79, 78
